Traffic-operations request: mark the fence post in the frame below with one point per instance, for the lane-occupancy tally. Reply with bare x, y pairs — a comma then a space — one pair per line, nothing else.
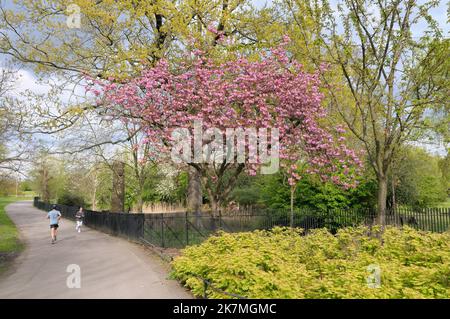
328, 221
186, 226
142, 223
162, 230
205, 289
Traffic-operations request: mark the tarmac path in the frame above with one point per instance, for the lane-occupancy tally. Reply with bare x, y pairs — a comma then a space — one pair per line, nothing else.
110, 267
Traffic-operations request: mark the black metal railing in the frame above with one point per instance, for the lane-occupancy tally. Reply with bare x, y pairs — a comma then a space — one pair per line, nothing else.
124, 225
209, 286
177, 230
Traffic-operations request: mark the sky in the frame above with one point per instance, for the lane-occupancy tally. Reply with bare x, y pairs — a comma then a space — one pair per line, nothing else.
28, 81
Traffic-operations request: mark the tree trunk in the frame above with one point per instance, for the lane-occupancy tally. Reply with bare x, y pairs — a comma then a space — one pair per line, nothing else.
215, 213
140, 203
94, 193
194, 198
381, 200
393, 194
215, 207
45, 188
118, 193
94, 199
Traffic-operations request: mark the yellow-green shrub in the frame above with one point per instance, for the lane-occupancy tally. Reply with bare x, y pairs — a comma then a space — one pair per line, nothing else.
283, 264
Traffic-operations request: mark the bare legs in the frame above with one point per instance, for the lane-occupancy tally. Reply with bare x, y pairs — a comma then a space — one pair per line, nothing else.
78, 226
53, 232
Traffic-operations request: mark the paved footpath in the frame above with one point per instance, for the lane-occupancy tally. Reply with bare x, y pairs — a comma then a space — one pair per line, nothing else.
110, 267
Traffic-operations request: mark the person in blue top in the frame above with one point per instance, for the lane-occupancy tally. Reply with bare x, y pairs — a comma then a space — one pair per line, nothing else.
54, 215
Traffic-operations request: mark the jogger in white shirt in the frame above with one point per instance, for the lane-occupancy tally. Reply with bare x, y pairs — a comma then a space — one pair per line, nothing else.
79, 219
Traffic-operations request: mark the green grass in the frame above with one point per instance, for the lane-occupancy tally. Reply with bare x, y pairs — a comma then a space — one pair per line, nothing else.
10, 244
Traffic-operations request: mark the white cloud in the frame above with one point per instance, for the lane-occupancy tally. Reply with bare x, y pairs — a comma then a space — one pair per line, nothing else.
27, 81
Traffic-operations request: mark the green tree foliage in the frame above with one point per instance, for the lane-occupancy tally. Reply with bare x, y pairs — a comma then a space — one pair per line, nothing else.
444, 166
273, 191
60, 181
163, 186
11, 185
393, 80
102, 177
418, 179
48, 177
116, 38
71, 199
7, 186
26, 185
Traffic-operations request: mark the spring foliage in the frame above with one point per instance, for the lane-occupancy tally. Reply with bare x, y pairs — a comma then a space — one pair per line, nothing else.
282, 264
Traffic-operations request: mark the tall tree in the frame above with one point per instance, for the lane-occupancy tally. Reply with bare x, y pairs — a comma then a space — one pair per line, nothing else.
115, 39
14, 144
273, 93
393, 76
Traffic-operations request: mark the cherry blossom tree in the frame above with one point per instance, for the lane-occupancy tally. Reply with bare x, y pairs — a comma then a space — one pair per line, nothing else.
274, 93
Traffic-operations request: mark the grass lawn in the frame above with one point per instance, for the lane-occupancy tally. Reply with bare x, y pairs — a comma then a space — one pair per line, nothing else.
10, 244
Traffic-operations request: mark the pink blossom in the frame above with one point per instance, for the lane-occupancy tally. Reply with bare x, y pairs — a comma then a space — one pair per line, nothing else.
274, 92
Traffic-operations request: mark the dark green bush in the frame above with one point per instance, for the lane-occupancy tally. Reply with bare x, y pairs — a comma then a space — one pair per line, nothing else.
71, 200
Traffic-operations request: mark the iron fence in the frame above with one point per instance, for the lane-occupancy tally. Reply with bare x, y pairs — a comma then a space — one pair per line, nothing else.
177, 230
124, 225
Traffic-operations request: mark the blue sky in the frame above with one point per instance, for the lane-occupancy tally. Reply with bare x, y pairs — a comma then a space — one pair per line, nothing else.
28, 80
439, 14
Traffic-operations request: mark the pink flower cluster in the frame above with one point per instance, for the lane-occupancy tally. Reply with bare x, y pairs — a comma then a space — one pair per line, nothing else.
274, 92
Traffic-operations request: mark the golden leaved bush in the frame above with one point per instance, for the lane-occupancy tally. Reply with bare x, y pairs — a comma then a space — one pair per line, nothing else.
282, 263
